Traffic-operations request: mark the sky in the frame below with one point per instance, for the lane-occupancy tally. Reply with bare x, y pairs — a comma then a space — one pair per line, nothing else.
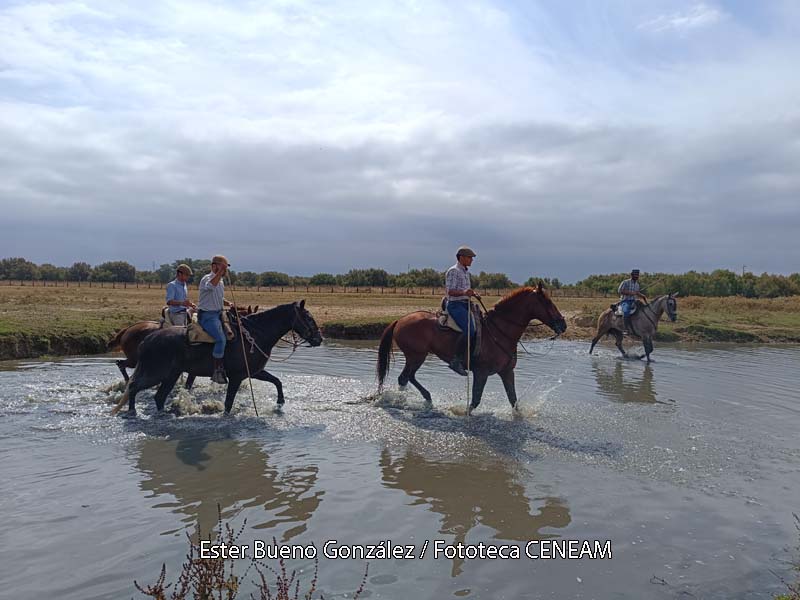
556, 138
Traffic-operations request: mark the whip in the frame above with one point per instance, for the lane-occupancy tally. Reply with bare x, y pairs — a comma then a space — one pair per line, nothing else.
241, 337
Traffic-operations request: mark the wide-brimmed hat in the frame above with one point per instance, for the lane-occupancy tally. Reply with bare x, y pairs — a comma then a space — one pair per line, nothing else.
184, 268
219, 259
465, 251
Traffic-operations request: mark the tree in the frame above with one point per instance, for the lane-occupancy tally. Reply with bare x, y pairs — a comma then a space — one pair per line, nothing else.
50, 272
247, 278
18, 268
499, 281
117, 270
322, 279
366, 277
79, 271
274, 278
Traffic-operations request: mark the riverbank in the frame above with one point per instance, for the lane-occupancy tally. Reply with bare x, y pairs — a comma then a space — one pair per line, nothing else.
56, 321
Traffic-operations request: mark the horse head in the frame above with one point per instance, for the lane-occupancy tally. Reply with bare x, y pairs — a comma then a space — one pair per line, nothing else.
305, 326
533, 303
671, 306
546, 311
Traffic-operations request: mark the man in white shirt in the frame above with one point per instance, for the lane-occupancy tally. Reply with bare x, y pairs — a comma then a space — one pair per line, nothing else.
209, 314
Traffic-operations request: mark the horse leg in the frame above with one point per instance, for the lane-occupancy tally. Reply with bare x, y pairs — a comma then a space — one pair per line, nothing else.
233, 387
266, 376
648, 347
402, 380
413, 363
136, 384
618, 337
595, 339
190, 381
508, 382
121, 365
478, 383
165, 388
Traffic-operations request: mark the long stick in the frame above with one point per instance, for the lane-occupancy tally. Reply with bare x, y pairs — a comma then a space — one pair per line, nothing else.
244, 353
469, 351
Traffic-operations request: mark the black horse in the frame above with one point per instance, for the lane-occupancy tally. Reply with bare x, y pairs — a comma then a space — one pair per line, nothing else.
165, 354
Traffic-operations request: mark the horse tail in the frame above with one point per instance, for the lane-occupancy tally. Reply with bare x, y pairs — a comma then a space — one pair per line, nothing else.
117, 340
385, 353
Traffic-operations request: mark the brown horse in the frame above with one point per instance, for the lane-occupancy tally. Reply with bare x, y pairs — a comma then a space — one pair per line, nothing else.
419, 333
129, 338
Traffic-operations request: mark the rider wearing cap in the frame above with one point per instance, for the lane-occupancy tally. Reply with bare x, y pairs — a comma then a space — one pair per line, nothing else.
459, 290
177, 297
210, 305
628, 293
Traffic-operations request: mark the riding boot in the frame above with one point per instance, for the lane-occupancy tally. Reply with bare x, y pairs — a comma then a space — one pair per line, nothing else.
628, 325
457, 364
219, 371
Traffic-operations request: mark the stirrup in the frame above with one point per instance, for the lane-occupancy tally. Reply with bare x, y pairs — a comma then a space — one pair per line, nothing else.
219, 376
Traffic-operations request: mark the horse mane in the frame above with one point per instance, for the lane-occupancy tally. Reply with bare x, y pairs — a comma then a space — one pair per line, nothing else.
509, 299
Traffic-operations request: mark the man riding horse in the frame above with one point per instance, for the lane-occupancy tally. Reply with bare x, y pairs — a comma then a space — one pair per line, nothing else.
178, 301
209, 314
629, 292
459, 290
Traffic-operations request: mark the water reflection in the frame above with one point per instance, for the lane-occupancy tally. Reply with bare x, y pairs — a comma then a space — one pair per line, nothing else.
619, 386
202, 472
468, 493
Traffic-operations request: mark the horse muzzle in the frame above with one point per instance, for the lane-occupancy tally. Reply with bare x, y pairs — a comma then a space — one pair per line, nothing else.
559, 326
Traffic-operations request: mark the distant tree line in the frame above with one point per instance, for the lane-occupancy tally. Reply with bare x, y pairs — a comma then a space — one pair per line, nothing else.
717, 283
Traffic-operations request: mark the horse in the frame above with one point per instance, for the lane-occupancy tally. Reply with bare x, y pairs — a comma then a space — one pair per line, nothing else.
165, 354
128, 339
644, 321
419, 334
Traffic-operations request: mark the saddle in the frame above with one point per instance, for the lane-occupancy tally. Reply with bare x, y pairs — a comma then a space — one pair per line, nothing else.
617, 308
448, 323
195, 334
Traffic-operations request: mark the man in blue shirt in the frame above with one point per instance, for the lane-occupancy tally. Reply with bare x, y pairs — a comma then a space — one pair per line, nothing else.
177, 297
629, 291
459, 290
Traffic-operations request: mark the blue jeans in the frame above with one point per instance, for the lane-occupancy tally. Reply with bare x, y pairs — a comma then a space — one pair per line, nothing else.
628, 306
460, 313
211, 321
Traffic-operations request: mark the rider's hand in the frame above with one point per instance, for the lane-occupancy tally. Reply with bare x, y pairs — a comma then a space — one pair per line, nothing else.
470, 292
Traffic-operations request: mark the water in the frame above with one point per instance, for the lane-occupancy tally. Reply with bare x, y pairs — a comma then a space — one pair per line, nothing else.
688, 466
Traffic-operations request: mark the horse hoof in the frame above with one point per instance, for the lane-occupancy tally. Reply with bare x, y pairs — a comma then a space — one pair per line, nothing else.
402, 388
131, 414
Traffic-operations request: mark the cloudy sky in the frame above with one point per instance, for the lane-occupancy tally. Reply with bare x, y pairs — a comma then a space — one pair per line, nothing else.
557, 138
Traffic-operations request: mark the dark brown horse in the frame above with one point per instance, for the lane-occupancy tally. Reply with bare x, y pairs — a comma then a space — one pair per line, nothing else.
419, 334
129, 338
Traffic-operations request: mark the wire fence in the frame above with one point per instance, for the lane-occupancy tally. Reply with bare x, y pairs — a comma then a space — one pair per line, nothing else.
306, 289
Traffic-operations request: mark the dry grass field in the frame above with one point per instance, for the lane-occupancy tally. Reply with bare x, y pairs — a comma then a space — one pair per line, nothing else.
62, 320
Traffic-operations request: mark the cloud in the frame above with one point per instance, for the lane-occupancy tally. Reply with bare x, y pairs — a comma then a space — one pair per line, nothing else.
310, 137
695, 17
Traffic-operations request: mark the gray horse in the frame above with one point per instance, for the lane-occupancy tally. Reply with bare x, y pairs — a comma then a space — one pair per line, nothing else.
644, 321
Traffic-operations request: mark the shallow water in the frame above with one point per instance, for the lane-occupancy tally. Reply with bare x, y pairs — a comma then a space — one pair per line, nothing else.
689, 466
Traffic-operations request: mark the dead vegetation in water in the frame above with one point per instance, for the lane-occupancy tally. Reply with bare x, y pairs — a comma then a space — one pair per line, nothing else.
793, 587
217, 578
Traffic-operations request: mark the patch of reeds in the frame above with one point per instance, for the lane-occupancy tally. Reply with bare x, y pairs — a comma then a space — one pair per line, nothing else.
793, 587
218, 579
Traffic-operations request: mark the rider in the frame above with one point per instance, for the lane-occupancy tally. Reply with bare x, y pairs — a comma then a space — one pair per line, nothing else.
628, 293
211, 304
177, 297
459, 290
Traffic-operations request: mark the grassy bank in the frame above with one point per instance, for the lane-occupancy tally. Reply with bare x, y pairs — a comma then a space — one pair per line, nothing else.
52, 321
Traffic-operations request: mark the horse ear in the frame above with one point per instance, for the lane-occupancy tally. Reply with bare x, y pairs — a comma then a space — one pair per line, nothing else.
539, 286
302, 304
